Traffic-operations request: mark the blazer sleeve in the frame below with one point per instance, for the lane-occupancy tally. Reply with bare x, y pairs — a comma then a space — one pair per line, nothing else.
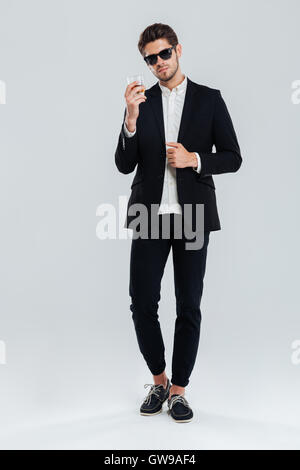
227, 158
127, 151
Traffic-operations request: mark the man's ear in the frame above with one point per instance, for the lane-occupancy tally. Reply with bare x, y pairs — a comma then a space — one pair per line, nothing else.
179, 50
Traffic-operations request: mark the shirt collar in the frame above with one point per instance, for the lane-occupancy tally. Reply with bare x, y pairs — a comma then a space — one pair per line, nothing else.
178, 89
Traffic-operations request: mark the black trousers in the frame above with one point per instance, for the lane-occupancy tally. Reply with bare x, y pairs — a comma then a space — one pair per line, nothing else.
148, 258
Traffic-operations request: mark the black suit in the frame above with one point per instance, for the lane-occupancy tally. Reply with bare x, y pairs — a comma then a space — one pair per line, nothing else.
205, 122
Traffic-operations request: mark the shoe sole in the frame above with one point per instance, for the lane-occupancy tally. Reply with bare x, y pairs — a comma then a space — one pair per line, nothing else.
150, 414
182, 420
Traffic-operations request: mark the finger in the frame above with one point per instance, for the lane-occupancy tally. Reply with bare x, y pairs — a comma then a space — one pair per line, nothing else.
172, 144
139, 99
136, 90
140, 95
136, 99
130, 87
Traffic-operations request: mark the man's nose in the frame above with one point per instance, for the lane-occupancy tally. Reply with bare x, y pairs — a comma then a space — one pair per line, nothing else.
160, 62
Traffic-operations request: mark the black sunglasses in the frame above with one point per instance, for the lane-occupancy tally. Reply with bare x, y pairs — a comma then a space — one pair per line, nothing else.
164, 55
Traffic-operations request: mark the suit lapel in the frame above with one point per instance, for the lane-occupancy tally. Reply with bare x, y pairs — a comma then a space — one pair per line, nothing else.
156, 104
187, 110
157, 108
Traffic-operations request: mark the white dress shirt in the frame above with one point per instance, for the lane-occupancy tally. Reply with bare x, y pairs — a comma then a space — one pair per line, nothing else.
172, 102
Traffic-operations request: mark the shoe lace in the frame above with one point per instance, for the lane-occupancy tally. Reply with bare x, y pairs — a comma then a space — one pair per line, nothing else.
153, 391
179, 399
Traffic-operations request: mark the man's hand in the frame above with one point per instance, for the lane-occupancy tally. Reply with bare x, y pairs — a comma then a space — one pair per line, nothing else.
179, 157
133, 97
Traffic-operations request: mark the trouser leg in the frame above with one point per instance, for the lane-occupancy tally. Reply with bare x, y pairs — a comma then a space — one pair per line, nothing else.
189, 270
147, 262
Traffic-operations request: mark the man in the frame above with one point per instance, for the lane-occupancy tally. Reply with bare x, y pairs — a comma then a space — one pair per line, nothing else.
169, 139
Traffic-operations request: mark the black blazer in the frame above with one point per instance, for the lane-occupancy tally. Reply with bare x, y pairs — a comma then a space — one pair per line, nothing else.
205, 122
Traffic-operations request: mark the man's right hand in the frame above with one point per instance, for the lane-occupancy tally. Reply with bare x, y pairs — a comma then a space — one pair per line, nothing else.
133, 99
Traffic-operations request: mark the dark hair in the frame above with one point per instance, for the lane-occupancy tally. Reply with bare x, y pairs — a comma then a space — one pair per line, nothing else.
157, 31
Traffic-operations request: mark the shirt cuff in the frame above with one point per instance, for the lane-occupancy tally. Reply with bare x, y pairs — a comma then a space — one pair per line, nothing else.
199, 163
127, 132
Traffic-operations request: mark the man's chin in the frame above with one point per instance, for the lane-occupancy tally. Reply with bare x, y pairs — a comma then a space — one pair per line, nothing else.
163, 76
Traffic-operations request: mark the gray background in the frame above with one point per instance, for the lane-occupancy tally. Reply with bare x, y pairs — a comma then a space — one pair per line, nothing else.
74, 375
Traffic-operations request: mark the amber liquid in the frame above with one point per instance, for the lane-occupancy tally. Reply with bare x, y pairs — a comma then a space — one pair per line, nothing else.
141, 91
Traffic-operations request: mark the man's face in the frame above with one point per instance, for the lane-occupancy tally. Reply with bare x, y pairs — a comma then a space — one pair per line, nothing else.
164, 70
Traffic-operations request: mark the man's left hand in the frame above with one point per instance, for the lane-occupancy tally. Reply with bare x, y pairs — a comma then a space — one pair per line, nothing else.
179, 157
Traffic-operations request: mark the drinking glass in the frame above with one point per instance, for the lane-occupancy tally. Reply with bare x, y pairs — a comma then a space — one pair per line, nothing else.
139, 78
